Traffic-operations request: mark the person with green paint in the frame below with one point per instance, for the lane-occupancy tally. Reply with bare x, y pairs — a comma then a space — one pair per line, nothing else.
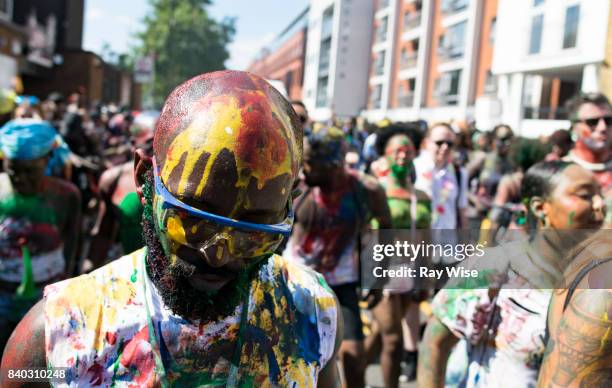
206, 302
395, 334
39, 218
117, 230
499, 317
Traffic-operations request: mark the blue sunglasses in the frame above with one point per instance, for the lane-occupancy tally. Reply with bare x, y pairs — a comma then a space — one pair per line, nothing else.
170, 201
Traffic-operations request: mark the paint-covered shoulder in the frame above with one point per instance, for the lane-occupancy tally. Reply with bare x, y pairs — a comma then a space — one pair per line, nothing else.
61, 186
308, 287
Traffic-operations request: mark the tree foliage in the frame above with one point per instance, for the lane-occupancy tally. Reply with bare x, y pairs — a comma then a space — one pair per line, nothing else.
184, 40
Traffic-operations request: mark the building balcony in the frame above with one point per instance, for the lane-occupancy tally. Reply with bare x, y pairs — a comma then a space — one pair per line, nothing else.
451, 7
405, 100
447, 99
412, 21
545, 113
408, 62
450, 54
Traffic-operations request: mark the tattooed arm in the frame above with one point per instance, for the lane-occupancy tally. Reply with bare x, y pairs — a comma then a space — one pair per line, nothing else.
579, 352
433, 354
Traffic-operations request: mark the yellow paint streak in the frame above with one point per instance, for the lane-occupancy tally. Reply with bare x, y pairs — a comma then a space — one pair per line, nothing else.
96, 303
176, 232
326, 302
207, 133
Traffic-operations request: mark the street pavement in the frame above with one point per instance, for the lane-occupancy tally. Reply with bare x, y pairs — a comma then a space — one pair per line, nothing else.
374, 378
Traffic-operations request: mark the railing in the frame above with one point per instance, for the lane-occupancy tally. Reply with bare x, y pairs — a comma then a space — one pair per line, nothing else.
412, 21
450, 54
408, 62
448, 99
450, 7
405, 100
545, 113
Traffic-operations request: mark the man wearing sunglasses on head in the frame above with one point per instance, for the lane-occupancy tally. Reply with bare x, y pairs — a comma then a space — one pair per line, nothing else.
206, 302
591, 116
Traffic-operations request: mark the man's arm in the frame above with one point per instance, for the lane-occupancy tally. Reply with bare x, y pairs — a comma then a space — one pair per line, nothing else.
579, 352
26, 347
71, 231
433, 354
329, 377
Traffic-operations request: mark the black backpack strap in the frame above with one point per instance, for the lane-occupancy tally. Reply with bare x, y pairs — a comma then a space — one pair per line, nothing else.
457, 170
583, 272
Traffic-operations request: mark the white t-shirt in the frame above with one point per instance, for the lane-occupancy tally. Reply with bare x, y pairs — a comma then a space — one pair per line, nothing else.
442, 187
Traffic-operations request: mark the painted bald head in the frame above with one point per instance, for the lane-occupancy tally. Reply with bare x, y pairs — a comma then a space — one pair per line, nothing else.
227, 142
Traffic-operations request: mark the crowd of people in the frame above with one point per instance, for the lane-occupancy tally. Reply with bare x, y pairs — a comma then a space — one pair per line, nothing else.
220, 242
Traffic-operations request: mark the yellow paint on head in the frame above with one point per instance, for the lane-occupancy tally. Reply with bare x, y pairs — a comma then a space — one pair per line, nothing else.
217, 128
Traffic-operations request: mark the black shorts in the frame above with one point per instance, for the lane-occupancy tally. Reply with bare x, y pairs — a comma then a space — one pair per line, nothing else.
348, 297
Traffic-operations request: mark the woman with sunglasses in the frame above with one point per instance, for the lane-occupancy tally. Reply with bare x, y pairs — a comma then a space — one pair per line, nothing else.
397, 315
499, 317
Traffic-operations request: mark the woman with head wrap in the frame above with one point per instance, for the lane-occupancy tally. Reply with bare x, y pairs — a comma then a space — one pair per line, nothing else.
39, 218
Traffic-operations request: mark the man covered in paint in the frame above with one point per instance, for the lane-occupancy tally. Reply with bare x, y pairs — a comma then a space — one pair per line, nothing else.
331, 215
206, 302
39, 219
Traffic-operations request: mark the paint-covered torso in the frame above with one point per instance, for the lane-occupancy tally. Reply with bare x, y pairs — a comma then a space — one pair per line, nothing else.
400, 201
97, 326
36, 221
327, 231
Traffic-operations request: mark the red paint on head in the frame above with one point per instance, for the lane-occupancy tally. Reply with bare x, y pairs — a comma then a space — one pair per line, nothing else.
193, 98
260, 144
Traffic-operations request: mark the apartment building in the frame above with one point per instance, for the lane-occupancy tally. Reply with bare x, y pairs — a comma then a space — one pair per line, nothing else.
337, 60
431, 59
549, 50
283, 59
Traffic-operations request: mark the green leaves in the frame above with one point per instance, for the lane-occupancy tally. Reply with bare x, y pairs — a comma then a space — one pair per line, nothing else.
185, 42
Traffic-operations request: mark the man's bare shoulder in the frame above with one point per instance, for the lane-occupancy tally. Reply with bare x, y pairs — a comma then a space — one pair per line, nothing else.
26, 347
61, 186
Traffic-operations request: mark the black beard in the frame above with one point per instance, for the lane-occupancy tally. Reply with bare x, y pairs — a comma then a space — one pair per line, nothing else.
171, 279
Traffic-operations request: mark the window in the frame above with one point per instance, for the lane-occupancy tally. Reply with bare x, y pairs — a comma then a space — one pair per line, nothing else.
570, 32
322, 92
490, 85
452, 43
381, 31
492, 31
379, 64
6, 9
375, 97
447, 88
405, 93
535, 40
408, 58
382, 4
412, 19
537, 2
327, 23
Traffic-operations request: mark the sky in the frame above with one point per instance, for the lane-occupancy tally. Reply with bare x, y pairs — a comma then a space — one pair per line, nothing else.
257, 23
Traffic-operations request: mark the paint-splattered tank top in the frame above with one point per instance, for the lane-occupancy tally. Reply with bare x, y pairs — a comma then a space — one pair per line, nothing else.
327, 232
98, 326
